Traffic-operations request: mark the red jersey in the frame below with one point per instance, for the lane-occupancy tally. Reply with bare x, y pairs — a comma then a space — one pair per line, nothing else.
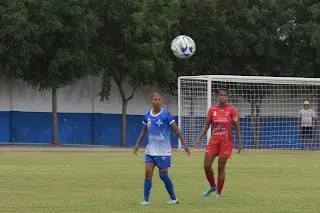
222, 118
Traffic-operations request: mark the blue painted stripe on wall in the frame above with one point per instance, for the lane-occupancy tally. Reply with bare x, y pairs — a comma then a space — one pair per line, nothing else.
5, 126
74, 128
104, 129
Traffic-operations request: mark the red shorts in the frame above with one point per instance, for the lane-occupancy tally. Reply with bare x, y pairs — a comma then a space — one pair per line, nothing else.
220, 148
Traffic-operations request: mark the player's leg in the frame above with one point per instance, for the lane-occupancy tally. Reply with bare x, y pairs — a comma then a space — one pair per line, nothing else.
163, 163
212, 151
303, 142
303, 135
221, 174
310, 137
224, 154
149, 167
169, 185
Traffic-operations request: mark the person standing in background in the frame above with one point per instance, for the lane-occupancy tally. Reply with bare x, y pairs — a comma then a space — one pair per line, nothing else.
306, 122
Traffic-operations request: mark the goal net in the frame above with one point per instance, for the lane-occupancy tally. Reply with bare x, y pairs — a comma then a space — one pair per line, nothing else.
269, 109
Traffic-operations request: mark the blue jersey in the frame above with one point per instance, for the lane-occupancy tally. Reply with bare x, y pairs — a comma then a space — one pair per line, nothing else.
158, 127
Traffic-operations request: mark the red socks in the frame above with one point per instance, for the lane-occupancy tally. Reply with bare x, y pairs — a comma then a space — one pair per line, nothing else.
210, 178
220, 185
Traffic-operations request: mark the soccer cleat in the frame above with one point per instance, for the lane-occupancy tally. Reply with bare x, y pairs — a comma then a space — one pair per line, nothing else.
144, 202
208, 192
170, 202
218, 195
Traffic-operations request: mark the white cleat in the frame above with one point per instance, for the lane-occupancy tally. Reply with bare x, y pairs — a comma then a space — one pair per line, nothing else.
171, 202
144, 202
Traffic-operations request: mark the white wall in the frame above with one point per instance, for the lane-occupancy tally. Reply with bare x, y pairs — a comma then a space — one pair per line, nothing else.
81, 97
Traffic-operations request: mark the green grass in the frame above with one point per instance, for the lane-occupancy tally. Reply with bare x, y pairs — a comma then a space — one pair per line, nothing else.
108, 181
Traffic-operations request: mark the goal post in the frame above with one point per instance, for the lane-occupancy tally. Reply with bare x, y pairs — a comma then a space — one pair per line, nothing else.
268, 108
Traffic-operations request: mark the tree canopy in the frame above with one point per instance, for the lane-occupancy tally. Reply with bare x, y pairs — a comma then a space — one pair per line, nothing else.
46, 42
278, 38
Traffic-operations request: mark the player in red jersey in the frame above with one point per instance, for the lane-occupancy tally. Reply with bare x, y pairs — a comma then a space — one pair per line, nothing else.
222, 116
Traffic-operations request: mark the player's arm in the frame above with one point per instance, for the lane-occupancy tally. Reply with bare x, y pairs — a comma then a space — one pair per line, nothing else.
141, 136
206, 127
236, 123
176, 129
238, 133
237, 128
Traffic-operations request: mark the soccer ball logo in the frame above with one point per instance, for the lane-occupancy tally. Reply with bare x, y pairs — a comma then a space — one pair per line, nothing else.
183, 46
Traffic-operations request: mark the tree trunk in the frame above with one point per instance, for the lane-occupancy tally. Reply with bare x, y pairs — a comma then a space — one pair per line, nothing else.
54, 116
124, 122
124, 109
10, 112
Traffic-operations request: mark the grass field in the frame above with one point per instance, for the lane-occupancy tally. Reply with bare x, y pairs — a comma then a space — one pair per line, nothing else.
112, 181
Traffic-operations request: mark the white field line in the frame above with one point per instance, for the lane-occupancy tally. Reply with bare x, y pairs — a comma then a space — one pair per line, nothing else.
173, 165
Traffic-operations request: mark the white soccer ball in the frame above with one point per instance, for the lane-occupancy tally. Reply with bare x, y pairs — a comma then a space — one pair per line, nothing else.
183, 46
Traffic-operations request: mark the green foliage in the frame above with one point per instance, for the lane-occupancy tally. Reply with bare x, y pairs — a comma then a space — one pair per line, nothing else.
17, 39
46, 43
131, 45
234, 37
304, 39
272, 38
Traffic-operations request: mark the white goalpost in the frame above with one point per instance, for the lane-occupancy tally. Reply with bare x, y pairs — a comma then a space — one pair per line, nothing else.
268, 108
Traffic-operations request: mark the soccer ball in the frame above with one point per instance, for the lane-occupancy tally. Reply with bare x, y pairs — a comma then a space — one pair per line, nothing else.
183, 46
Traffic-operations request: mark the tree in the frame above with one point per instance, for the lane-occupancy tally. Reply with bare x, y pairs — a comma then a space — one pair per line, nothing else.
46, 43
131, 46
303, 40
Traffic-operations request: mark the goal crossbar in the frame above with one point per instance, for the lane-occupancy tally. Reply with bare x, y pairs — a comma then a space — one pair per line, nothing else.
255, 79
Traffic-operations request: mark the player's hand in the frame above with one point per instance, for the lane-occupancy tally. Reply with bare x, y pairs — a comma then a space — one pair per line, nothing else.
187, 150
136, 149
239, 147
196, 144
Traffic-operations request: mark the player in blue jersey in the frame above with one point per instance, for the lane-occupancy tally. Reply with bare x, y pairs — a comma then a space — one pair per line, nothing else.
157, 123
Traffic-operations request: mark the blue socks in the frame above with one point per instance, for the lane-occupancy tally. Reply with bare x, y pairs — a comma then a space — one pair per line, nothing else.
168, 183
147, 188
